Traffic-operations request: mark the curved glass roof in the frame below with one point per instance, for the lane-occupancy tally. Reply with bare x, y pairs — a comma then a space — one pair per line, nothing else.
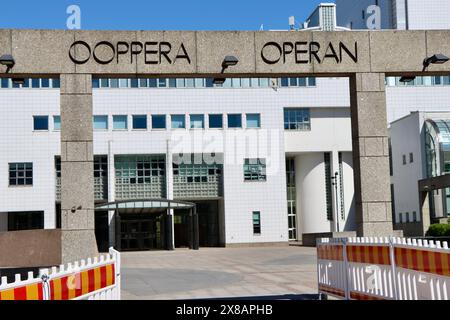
145, 205
437, 143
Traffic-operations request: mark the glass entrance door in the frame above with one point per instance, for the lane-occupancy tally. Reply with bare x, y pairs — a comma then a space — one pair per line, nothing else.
142, 234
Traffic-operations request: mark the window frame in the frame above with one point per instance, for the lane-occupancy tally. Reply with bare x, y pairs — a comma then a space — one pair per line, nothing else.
24, 170
256, 226
126, 122
158, 116
221, 120
253, 114
54, 123
178, 115
228, 120
136, 116
289, 112
191, 122
100, 116
35, 117
261, 172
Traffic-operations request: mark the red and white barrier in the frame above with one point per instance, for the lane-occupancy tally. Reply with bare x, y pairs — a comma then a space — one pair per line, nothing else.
94, 279
383, 268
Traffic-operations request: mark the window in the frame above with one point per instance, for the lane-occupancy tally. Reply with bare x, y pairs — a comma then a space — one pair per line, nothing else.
256, 222
297, 119
253, 120
25, 220
407, 217
45, 83
404, 159
235, 120
215, 121
197, 121
56, 123
21, 174
297, 82
139, 122
120, 122
100, 122
328, 196
40, 123
411, 158
255, 170
178, 121
415, 216
400, 217
159, 121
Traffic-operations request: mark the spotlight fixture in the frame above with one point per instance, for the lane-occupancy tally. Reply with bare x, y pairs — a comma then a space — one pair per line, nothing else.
435, 59
8, 61
407, 79
229, 61
219, 81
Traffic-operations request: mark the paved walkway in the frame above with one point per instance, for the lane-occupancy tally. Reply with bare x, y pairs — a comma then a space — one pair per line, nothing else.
220, 273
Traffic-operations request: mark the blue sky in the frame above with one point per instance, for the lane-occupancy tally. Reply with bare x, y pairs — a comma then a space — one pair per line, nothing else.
157, 15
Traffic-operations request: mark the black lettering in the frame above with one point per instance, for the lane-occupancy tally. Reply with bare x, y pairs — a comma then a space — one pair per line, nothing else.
182, 54
333, 53
73, 48
353, 56
165, 53
299, 51
107, 44
314, 48
288, 47
136, 48
119, 51
148, 52
271, 44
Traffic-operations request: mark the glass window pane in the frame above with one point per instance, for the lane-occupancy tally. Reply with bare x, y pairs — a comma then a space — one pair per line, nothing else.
253, 120
120, 122
143, 83
254, 82
104, 83
139, 122
55, 83
302, 82
199, 82
178, 121
134, 83
35, 82
236, 82
235, 120
5, 83
264, 82
245, 82
152, 83
292, 82
162, 82
100, 122
311, 81
40, 122
95, 83
215, 121
176, 83
56, 123
114, 83
209, 82
158, 121
45, 83
189, 83
197, 121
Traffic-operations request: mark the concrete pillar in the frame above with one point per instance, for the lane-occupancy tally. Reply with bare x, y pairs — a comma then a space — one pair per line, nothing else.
370, 154
111, 194
77, 178
425, 217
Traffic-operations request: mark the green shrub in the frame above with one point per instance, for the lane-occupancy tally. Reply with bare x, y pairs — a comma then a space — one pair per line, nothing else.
438, 230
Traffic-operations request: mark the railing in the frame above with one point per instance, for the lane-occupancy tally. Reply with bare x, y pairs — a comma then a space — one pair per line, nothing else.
94, 279
383, 268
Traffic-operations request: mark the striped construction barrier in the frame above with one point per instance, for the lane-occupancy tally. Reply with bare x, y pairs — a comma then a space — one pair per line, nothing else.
383, 269
26, 292
97, 279
82, 283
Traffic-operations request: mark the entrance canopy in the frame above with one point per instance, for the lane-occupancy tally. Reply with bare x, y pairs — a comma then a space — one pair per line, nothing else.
145, 205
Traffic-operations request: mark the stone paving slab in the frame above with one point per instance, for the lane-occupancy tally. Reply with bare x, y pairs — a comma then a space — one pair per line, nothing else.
219, 273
